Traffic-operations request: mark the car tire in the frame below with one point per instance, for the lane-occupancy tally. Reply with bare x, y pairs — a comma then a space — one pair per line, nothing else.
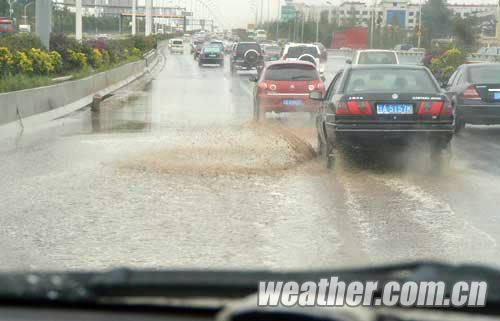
329, 155
459, 126
256, 112
321, 146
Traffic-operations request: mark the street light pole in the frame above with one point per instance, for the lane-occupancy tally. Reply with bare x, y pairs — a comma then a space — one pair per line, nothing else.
78, 17
278, 20
420, 25
25, 17
134, 17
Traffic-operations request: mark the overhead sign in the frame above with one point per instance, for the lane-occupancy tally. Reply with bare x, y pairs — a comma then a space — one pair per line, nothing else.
288, 12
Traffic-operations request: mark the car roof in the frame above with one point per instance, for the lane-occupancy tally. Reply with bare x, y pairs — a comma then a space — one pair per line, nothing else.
283, 62
481, 64
386, 66
248, 43
376, 50
294, 44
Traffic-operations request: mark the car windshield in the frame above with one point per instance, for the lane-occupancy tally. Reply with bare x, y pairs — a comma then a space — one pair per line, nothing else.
377, 58
488, 74
244, 47
178, 42
272, 49
291, 72
214, 49
390, 80
296, 52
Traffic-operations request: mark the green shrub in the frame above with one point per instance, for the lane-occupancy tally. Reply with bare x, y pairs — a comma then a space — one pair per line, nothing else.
56, 61
6, 61
20, 41
24, 65
136, 52
42, 61
444, 65
95, 59
77, 60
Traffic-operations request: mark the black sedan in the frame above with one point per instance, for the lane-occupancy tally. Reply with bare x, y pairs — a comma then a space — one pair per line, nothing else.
475, 91
213, 55
366, 105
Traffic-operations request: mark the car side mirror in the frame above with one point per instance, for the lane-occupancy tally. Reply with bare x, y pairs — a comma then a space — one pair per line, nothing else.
316, 95
254, 79
348, 61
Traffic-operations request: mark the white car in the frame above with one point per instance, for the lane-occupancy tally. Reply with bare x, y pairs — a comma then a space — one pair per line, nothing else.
177, 46
303, 52
375, 57
260, 35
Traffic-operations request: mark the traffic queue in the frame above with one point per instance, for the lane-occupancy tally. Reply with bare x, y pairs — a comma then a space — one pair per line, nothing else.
374, 98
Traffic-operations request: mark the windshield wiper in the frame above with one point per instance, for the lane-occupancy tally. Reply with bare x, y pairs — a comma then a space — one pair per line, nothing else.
93, 288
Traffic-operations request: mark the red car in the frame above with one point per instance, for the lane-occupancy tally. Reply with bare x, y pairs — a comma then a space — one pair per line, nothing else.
285, 87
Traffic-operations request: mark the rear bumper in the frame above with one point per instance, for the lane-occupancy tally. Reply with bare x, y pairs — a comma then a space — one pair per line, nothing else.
370, 133
275, 103
479, 114
211, 60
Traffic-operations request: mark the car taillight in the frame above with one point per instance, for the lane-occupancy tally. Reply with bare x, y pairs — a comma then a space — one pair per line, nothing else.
447, 109
262, 87
354, 107
320, 86
430, 108
471, 93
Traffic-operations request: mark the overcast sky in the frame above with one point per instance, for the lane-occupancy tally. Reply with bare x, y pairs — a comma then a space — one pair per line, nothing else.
239, 13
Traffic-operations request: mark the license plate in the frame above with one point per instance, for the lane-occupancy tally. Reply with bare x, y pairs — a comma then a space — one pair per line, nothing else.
394, 109
496, 96
212, 56
292, 102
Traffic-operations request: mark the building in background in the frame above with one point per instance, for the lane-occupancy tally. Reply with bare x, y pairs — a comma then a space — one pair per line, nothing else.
403, 13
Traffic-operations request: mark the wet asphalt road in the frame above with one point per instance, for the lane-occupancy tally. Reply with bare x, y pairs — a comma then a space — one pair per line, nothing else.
175, 175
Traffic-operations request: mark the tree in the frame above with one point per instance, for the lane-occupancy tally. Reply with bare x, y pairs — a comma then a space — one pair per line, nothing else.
436, 18
466, 30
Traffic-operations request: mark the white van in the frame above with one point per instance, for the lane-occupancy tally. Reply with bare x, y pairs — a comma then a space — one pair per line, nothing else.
177, 46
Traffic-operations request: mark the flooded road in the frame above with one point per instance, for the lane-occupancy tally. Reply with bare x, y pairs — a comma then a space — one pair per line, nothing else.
174, 174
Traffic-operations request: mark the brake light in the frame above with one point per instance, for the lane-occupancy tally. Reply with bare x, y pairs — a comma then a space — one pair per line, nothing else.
321, 86
471, 93
354, 107
447, 109
262, 85
430, 108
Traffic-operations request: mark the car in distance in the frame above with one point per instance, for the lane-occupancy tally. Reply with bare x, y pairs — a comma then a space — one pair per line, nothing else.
475, 91
371, 105
212, 55
260, 35
177, 46
285, 87
303, 52
271, 52
375, 57
246, 56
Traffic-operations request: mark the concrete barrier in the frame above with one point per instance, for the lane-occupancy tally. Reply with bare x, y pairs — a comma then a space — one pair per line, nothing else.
77, 93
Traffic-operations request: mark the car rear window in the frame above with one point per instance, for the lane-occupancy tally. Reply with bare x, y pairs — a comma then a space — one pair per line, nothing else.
244, 47
273, 49
211, 50
390, 80
289, 72
178, 42
377, 58
296, 52
489, 74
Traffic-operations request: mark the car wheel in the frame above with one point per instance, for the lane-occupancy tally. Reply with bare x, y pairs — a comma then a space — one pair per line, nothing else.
256, 112
321, 146
459, 126
329, 155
